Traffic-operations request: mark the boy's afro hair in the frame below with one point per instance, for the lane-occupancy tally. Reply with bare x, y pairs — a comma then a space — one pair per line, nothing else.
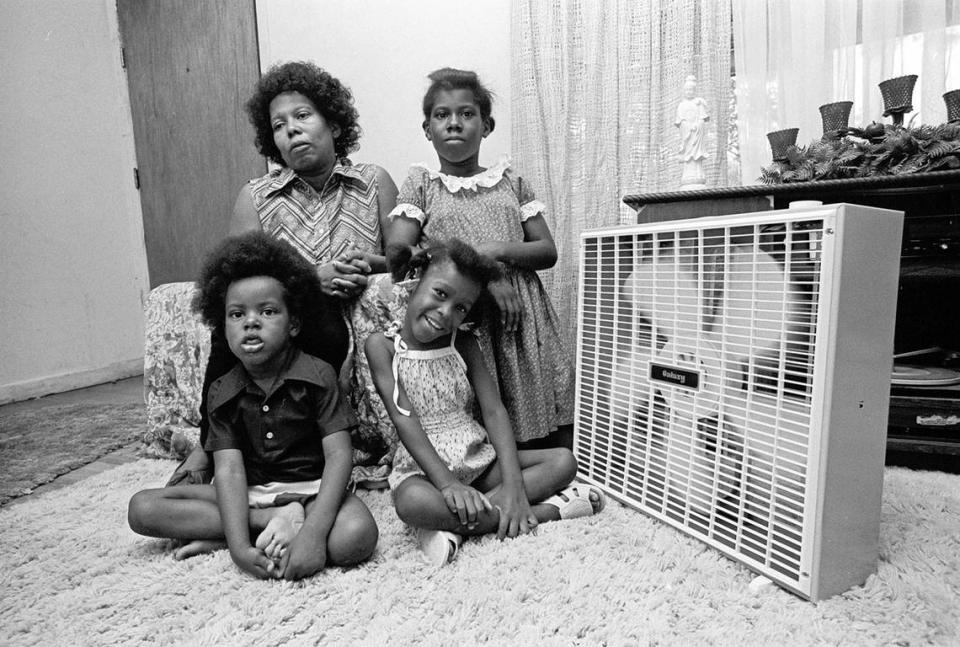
333, 99
256, 254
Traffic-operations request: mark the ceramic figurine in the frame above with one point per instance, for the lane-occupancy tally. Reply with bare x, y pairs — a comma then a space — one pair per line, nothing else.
691, 120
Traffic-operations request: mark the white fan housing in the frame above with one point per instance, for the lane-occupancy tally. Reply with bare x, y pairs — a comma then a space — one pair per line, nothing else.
734, 382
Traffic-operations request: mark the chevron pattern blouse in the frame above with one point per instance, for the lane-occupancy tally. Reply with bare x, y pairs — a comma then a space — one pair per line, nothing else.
321, 225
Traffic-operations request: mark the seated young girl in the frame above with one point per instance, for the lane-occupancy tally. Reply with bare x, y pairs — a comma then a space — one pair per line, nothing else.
453, 476
279, 430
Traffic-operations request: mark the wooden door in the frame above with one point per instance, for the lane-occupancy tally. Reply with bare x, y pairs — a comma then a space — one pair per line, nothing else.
190, 68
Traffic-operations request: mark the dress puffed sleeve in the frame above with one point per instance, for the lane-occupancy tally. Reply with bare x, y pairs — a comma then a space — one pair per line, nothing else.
529, 205
411, 200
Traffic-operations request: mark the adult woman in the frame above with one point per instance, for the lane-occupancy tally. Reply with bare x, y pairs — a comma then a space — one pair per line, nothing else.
330, 210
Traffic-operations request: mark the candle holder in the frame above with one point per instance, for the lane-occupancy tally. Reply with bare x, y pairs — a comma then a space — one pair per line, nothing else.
781, 141
835, 117
952, 99
898, 97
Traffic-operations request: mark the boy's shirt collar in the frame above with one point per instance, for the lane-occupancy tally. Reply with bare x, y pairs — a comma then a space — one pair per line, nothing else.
343, 167
303, 368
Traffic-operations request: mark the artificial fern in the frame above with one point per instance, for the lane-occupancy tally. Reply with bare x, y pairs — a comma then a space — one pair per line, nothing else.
876, 150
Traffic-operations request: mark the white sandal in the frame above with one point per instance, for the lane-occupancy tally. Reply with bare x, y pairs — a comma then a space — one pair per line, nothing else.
439, 547
574, 501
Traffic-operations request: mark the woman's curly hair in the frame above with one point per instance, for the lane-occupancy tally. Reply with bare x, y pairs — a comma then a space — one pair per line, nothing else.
257, 254
333, 99
449, 78
405, 264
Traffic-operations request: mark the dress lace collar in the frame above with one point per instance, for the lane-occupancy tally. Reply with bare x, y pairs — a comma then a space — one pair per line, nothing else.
486, 179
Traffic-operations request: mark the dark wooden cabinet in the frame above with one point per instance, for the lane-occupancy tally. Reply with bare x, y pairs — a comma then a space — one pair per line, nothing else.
924, 420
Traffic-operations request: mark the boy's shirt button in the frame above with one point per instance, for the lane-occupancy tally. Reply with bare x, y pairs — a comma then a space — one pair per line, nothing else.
266, 408
269, 435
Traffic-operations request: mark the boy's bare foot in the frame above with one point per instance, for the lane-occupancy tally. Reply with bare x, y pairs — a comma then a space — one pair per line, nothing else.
281, 529
198, 547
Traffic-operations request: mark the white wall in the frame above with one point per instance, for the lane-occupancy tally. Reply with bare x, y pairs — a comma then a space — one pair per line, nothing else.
73, 266
383, 50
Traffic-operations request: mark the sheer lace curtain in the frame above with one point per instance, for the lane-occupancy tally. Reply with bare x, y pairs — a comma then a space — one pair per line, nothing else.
595, 87
792, 57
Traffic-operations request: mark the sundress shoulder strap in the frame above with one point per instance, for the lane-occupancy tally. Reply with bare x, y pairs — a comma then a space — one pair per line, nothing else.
399, 348
453, 340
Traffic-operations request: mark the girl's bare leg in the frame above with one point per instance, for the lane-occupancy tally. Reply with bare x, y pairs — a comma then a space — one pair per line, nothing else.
420, 504
544, 472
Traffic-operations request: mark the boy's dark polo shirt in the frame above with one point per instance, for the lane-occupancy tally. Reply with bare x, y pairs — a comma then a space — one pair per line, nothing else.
280, 434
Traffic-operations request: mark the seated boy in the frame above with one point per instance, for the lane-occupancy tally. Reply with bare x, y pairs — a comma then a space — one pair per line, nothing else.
279, 430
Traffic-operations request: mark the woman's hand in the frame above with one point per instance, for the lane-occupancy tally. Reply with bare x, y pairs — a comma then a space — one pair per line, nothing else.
254, 561
465, 502
345, 276
508, 301
516, 515
352, 260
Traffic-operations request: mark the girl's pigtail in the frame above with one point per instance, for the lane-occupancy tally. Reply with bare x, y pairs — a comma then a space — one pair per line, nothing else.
398, 260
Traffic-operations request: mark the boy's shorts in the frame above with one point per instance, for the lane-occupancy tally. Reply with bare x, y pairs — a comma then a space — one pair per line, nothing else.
274, 494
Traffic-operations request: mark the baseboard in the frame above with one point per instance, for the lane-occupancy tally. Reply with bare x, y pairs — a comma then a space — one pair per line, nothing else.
70, 381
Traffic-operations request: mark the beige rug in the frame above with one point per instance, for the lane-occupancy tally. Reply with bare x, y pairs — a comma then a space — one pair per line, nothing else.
72, 573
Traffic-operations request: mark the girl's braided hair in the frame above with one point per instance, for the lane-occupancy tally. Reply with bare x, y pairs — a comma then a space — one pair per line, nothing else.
405, 264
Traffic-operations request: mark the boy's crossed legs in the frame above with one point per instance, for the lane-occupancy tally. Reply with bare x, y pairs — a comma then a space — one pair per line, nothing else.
190, 513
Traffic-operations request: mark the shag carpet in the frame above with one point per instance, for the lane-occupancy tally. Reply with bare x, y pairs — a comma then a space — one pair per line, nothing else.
73, 573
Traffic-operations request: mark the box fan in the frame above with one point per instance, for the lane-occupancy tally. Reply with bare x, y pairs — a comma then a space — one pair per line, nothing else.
734, 381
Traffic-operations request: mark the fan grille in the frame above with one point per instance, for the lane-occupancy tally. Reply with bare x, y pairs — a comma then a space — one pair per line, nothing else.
696, 372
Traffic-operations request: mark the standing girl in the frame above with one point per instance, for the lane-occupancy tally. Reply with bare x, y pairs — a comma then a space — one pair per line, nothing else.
494, 210
451, 475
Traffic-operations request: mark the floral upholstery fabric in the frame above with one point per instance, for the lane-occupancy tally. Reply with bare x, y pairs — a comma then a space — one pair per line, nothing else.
175, 356
375, 440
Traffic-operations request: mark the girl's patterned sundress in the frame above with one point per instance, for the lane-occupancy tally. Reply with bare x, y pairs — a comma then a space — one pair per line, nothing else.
436, 384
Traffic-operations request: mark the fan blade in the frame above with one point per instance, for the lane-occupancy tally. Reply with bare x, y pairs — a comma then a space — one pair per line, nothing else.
758, 308
665, 294
757, 303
